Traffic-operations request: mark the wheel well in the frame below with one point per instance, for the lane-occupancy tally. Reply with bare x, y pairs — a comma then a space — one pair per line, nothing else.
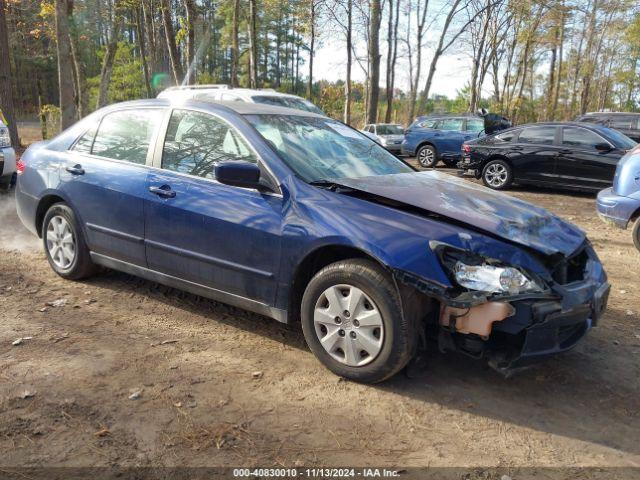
41, 211
635, 215
312, 264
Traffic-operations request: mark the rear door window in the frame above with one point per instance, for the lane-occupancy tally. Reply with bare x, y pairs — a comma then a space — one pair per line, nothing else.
581, 138
126, 135
451, 124
538, 135
621, 123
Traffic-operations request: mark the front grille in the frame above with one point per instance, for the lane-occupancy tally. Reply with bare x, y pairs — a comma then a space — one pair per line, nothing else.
572, 269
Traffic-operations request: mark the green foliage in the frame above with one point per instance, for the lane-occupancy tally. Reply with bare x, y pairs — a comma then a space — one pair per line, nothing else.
127, 79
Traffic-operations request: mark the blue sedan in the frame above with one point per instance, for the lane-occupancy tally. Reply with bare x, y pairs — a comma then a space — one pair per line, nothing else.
301, 218
620, 204
432, 139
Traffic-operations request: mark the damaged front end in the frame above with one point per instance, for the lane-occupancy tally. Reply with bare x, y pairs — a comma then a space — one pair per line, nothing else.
508, 315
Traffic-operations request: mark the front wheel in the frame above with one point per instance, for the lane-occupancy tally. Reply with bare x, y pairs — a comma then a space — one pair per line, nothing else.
497, 174
636, 233
352, 321
427, 156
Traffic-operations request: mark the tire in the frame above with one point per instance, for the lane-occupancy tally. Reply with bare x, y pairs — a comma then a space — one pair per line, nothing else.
64, 244
497, 174
385, 353
427, 156
636, 233
5, 184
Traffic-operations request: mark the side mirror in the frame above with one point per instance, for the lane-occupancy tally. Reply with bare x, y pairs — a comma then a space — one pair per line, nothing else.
603, 147
239, 174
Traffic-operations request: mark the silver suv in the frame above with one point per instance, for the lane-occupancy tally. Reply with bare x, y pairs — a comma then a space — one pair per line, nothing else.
7, 159
225, 93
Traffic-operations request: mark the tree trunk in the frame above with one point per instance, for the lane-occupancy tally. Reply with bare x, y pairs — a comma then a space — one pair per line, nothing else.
176, 65
253, 44
235, 49
392, 56
374, 61
556, 88
107, 64
190, 19
347, 83
312, 45
143, 51
6, 91
78, 66
68, 110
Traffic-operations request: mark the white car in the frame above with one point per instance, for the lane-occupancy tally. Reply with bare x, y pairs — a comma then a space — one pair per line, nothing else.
224, 93
7, 159
389, 135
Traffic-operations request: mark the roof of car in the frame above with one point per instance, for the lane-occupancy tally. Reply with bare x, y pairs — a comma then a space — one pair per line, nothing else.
242, 108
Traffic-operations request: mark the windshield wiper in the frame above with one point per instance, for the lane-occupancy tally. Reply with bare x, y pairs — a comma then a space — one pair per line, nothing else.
328, 183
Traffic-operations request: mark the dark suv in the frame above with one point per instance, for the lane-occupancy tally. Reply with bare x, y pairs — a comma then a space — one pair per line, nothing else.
627, 123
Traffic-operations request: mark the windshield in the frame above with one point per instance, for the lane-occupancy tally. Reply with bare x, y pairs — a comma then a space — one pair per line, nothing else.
323, 149
289, 102
620, 140
389, 130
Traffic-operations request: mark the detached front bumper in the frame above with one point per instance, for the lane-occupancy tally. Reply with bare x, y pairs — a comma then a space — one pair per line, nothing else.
615, 209
544, 328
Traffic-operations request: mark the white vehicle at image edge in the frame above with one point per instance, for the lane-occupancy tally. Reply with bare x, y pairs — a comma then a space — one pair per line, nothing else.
388, 135
7, 159
225, 93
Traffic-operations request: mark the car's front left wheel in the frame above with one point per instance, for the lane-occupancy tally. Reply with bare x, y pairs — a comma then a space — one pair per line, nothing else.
64, 243
353, 321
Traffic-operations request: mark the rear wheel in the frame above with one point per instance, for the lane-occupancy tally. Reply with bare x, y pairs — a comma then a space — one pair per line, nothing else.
5, 184
427, 156
636, 233
353, 322
64, 243
497, 174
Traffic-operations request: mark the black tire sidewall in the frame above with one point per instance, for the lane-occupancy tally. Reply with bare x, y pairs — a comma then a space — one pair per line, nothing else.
81, 263
435, 156
398, 335
636, 234
509, 180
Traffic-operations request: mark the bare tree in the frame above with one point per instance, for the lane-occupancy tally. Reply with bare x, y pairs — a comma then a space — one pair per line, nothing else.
392, 54
374, 61
109, 57
66, 84
170, 37
235, 49
253, 45
6, 89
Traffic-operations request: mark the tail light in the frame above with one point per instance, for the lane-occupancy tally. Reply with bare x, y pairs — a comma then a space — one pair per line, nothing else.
20, 166
466, 148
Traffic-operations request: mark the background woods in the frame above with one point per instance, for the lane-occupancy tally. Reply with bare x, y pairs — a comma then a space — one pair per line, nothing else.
529, 60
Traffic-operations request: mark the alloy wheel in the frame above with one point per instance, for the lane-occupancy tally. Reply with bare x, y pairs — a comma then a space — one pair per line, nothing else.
426, 157
61, 243
496, 175
349, 325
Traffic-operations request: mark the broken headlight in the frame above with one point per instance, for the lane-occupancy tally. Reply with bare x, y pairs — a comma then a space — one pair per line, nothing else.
481, 274
494, 279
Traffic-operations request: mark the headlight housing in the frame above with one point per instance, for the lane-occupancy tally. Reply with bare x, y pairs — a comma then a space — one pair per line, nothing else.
5, 138
490, 278
477, 273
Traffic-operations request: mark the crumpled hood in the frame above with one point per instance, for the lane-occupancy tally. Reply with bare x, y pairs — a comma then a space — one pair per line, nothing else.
493, 212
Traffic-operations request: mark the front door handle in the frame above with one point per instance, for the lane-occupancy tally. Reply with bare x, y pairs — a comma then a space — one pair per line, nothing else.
75, 170
163, 191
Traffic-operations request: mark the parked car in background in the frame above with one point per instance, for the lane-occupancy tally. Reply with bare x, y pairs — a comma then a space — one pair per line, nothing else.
579, 156
7, 159
620, 204
302, 218
432, 139
627, 123
389, 135
224, 93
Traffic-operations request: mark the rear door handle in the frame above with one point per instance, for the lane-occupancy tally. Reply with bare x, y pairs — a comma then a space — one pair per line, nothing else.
75, 170
163, 191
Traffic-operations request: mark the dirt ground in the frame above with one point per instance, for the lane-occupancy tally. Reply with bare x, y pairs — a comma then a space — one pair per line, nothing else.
220, 386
